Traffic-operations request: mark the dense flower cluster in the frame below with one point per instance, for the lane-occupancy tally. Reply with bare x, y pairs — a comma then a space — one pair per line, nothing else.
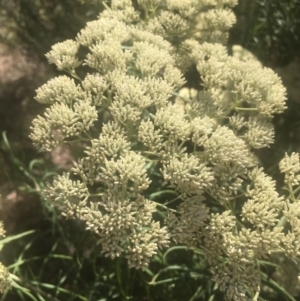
5, 282
130, 117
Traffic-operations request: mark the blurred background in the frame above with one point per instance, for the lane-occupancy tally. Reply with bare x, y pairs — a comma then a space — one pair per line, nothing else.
60, 260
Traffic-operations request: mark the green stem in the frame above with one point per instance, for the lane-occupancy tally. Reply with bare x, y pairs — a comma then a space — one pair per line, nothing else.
105, 5
175, 199
73, 74
165, 207
245, 109
296, 190
31, 288
256, 294
94, 195
237, 196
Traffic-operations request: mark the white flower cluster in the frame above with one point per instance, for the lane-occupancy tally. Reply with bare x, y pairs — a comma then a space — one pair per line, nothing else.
134, 74
5, 281
130, 119
63, 55
176, 20
290, 166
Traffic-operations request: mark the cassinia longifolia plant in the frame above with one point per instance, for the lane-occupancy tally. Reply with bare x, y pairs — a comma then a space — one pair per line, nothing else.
127, 113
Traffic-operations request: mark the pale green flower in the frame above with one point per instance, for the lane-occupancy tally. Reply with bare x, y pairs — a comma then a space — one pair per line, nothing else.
260, 132
59, 89
2, 231
172, 123
63, 55
95, 85
264, 204
5, 282
106, 56
290, 166
188, 175
97, 31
